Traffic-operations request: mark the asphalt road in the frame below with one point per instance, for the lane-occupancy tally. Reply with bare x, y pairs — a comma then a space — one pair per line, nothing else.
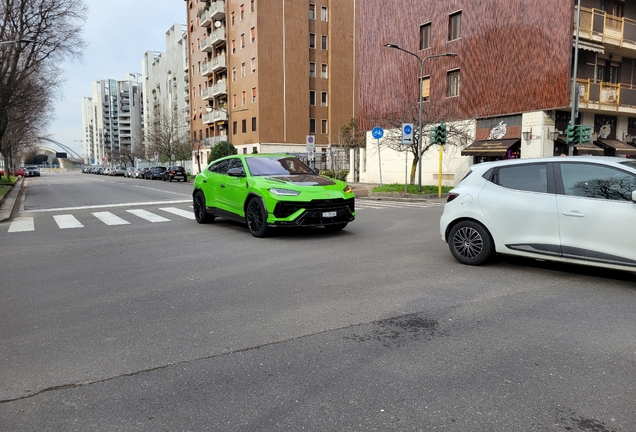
172, 325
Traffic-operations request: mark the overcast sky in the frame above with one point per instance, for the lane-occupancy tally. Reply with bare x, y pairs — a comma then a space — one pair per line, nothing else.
118, 33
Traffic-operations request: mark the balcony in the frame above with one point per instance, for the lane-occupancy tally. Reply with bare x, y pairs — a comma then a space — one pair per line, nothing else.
218, 139
206, 94
604, 96
206, 44
219, 89
206, 69
218, 63
598, 26
205, 18
217, 37
214, 116
217, 10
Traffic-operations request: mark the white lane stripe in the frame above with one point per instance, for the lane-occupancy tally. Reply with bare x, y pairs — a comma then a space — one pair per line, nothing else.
22, 224
67, 221
179, 212
151, 217
110, 219
110, 205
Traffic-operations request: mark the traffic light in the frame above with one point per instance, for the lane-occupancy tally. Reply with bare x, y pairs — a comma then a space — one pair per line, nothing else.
585, 134
570, 134
441, 134
433, 136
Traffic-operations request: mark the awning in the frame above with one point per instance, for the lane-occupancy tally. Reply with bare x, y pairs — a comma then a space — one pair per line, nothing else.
489, 147
590, 46
622, 148
588, 148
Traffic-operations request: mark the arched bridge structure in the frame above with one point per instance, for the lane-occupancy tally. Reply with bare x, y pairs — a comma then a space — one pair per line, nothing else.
67, 149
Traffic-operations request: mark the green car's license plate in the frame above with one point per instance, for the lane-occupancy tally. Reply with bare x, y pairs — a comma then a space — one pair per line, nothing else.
329, 214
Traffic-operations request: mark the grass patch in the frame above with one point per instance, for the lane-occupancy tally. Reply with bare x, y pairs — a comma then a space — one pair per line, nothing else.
4, 181
411, 189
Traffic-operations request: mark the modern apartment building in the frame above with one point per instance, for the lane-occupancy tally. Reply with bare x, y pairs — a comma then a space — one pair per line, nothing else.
266, 74
113, 121
512, 76
165, 84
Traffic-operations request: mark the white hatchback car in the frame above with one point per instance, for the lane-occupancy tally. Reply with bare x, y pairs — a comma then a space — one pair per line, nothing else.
578, 209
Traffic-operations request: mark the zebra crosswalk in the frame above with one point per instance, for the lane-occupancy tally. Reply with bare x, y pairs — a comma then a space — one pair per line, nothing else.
69, 221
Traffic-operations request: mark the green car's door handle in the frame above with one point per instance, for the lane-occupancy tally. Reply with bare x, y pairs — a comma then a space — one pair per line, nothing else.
223, 186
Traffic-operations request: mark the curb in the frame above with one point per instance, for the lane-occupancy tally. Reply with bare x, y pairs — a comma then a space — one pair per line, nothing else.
406, 197
7, 202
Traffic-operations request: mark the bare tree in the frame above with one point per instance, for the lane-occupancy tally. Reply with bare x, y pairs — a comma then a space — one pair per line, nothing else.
168, 136
432, 114
40, 35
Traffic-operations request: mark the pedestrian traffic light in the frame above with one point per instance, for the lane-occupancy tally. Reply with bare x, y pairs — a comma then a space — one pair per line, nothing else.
441, 134
433, 136
570, 134
585, 134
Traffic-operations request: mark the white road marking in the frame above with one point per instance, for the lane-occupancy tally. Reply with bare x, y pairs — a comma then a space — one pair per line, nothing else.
179, 212
110, 219
110, 205
67, 221
22, 224
145, 214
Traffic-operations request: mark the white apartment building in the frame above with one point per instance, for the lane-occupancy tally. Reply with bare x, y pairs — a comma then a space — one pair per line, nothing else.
112, 120
165, 79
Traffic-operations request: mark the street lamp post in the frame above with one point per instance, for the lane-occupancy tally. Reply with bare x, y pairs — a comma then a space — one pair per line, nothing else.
419, 140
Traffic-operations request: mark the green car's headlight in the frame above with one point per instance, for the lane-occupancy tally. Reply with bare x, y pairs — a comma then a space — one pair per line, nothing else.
284, 192
348, 190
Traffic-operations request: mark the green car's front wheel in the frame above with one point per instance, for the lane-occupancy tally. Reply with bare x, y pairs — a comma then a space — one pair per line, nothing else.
200, 213
256, 217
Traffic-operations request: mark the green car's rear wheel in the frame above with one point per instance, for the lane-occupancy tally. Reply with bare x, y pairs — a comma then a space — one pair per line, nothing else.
256, 218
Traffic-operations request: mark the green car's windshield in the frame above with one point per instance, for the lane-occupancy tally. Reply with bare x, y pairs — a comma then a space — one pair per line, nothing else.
268, 166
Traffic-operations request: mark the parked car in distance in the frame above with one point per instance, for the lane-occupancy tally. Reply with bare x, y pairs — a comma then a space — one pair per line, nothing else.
118, 171
175, 172
129, 172
548, 209
271, 190
155, 173
142, 173
136, 173
33, 171
15, 172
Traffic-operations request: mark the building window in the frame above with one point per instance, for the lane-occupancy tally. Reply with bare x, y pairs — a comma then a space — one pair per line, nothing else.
253, 124
312, 40
242, 40
312, 125
234, 100
323, 13
425, 36
324, 42
243, 70
312, 70
323, 99
243, 126
252, 6
252, 34
253, 94
312, 11
242, 12
453, 83
233, 46
426, 88
243, 98
323, 126
232, 15
455, 26
323, 71
253, 64
234, 73
312, 97
234, 128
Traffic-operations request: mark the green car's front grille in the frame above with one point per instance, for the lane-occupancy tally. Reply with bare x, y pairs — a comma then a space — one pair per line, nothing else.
285, 209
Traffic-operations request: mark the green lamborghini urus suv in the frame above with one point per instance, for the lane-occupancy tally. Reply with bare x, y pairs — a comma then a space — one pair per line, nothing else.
271, 190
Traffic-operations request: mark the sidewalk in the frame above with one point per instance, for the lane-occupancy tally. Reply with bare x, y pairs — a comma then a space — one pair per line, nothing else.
363, 190
9, 200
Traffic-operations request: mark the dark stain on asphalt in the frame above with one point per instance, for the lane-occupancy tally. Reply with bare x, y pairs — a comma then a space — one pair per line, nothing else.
570, 421
396, 330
